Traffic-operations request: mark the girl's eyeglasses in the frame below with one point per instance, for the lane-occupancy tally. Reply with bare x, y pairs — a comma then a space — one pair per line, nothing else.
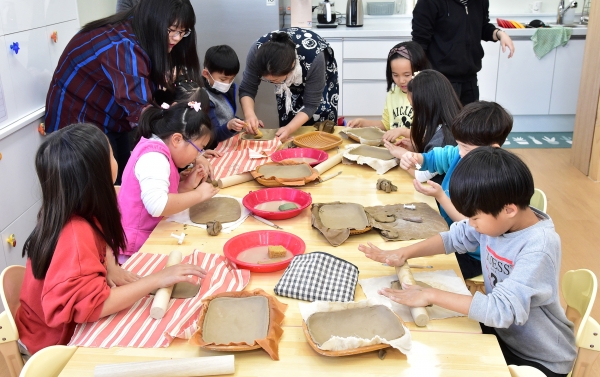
195, 146
181, 34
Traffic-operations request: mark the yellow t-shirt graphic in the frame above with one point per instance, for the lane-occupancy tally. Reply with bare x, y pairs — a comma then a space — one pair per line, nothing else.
397, 111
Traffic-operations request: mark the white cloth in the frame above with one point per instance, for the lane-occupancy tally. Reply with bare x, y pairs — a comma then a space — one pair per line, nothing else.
294, 78
445, 280
402, 344
424, 175
183, 217
152, 171
380, 166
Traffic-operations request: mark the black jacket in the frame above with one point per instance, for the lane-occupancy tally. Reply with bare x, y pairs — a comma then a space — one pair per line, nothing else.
451, 35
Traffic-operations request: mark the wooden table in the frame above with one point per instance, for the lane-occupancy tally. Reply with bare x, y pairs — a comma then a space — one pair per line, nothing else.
448, 347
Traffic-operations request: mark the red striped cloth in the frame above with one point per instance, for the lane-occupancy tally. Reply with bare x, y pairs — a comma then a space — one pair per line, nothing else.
134, 327
236, 155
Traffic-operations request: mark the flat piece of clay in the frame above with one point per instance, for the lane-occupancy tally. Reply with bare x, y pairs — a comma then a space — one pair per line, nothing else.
365, 323
405, 226
223, 210
183, 290
343, 215
236, 320
367, 133
373, 152
267, 134
285, 171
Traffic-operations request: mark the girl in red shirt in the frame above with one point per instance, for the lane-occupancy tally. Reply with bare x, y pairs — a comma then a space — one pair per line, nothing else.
69, 253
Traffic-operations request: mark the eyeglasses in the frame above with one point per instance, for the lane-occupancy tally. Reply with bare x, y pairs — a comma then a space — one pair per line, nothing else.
195, 146
271, 81
181, 34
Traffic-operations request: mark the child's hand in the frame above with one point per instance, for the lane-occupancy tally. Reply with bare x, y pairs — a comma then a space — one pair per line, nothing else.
192, 178
434, 190
202, 161
209, 153
409, 160
115, 274
392, 134
406, 143
390, 257
177, 274
283, 133
206, 191
396, 151
412, 295
235, 125
355, 123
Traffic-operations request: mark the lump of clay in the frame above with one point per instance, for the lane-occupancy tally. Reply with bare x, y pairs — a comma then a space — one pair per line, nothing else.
213, 228
390, 233
325, 126
413, 219
383, 217
288, 206
386, 185
258, 135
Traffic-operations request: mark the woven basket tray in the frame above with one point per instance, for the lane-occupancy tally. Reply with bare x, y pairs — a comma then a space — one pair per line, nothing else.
318, 140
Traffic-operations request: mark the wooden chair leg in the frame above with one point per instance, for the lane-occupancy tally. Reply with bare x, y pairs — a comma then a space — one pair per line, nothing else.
584, 362
12, 357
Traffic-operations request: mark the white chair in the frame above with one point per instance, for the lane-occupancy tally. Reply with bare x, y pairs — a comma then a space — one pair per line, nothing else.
11, 281
48, 362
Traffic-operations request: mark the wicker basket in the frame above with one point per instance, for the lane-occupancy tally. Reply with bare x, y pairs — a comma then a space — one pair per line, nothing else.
318, 140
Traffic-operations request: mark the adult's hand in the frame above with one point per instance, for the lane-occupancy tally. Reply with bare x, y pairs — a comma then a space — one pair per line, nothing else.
252, 124
506, 42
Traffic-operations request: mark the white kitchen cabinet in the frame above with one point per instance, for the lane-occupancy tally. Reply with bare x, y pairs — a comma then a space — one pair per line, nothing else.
488, 76
19, 15
21, 228
364, 70
525, 82
370, 49
338, 53
8, 110
64, 31
20, 188
30, 69
567, 75
56, 11
364, 98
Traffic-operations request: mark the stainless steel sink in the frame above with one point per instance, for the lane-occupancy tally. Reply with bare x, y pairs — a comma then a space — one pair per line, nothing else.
572, 25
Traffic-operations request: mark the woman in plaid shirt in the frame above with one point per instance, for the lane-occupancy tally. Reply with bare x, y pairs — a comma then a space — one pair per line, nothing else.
109, 70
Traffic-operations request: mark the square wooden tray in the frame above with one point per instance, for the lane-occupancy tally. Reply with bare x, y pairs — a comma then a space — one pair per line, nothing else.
318, 140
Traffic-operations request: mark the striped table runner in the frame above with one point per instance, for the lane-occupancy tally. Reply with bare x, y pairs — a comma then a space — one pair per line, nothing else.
134, 327
236, 155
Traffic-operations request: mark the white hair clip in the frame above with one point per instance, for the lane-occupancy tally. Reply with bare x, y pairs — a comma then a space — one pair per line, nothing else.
165, 106
415, 74
195, 105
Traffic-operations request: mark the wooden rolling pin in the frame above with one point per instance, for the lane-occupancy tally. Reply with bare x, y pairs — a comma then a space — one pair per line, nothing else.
195, 366
329, 163
235, 180
420, 315
163, 295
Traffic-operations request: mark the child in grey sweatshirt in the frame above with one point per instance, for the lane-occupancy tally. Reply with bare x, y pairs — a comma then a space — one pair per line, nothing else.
520, 257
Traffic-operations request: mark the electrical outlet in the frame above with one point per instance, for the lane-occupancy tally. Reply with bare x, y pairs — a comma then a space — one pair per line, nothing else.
288, 10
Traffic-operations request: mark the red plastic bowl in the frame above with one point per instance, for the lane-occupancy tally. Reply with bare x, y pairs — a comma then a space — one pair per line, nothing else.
254, 198
286, 154
248, 240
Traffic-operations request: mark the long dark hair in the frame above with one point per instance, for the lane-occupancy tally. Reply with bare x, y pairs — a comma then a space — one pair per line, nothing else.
408, 50
277, 56
74, 169
434, 104
179, 118
150, 20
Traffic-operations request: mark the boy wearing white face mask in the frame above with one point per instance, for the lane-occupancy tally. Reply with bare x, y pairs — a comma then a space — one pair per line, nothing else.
221, 65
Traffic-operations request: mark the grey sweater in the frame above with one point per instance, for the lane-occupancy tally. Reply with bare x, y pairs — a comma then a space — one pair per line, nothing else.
521, 273
313, 89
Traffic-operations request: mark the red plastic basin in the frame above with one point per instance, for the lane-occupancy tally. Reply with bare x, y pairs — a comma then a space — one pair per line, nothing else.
286, 154
254, 198
248, 240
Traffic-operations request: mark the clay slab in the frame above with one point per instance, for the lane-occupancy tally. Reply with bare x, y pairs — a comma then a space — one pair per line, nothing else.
363, 323
343, 215
285, 171
373, 152
236, 320
224, 210
267, 134
368, 133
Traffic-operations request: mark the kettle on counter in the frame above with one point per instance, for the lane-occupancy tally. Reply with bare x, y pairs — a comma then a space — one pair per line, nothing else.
354, 13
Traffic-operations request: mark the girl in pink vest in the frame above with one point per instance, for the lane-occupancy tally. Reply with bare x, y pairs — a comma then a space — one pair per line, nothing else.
171, 137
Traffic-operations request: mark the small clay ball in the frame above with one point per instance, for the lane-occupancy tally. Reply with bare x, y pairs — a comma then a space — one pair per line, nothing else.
213, 228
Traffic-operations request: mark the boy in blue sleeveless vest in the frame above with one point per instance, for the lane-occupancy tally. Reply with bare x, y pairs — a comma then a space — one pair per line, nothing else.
521, 256
478, 124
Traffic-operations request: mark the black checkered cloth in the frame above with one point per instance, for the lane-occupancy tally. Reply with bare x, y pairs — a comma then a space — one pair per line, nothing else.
318, 276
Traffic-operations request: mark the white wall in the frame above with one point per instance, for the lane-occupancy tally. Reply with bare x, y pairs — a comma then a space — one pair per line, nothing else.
497, 7
90, 10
